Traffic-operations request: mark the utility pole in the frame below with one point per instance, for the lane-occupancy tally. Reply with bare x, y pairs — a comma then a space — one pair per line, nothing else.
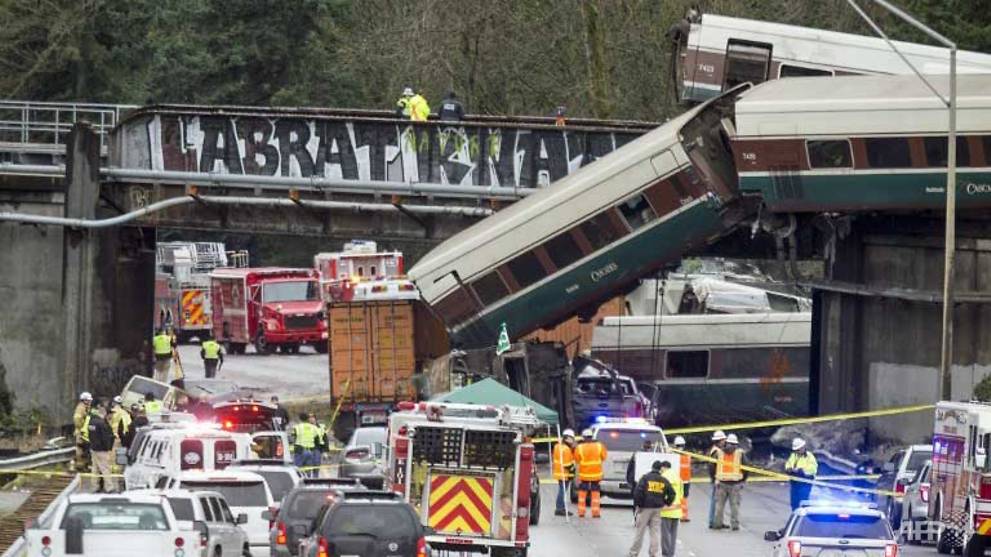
949, 248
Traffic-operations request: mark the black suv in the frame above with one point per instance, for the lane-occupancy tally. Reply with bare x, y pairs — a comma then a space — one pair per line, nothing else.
298, 513
367, 523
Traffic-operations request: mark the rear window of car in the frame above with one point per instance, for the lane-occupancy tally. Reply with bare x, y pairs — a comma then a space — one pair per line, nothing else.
182, 508
306, 504
117, 516
917, 460
368, 436
375, 520
630, 441
237, 494
850, 526
279, 483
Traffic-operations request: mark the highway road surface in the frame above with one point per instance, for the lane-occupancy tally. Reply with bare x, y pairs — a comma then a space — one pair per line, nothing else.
289, 376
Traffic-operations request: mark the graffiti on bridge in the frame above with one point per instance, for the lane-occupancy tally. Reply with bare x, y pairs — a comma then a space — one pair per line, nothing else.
377, 150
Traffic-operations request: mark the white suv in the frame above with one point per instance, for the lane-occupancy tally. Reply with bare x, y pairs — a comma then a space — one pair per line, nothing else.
623, 438
222, 535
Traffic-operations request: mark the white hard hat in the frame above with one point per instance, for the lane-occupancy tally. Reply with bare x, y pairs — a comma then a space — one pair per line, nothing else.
408, 92
718, 435
587, 433
679, 441
85, 396
797, 443
568, 433
118, 400
731, 439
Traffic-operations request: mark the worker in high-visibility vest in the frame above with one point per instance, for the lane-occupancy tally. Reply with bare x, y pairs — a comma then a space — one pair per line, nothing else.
213, 356
685, 473
729, 475
80, 419
801, 464
162, 345
590, 455
672, 513
718, 442
304, 438
152, 406
120, 423
563, 467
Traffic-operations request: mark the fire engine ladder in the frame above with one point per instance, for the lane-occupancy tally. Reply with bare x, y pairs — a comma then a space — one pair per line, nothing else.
209, 256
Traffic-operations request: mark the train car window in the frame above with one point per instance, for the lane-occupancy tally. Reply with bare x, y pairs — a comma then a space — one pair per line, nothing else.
526, 269
637, 211
936, 151
490, 288
787, 70
687, 364
746, 62
563, 250
831, 153
888, 152
599, 231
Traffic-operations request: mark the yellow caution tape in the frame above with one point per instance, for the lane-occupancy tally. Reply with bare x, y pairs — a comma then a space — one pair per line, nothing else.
782, 421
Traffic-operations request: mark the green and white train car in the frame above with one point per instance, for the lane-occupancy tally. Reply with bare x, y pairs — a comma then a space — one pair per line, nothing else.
713, 368
567, 248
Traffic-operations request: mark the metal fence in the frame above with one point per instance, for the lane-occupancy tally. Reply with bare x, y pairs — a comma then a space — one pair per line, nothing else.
37, 125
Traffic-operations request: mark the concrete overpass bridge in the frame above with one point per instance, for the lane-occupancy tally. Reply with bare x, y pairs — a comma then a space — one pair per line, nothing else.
83, 189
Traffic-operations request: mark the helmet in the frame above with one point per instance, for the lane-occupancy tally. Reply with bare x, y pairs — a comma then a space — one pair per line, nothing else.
679, 441
408, 92
731, 439
85, 396
797, 444
118, 400
568, 433
718, 435
587, 433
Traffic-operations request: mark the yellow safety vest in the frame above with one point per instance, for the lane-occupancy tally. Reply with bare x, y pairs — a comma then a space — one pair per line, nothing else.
419, 110
806, 463
84, 432
674, 509
729, 466
120, 416
211, 349
306, 435
162, 345
153, 407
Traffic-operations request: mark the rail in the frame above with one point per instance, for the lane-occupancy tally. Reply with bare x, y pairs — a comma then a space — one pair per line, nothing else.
40, 125
16, 549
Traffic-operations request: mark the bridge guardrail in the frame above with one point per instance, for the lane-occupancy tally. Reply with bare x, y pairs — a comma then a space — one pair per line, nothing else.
49, 123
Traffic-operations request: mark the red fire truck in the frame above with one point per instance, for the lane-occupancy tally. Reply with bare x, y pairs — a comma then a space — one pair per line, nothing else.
960, 484
182, 286
272, 307
361, 272
469, 473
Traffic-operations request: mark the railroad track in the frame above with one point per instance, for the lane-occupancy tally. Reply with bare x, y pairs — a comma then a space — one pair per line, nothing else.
44, 490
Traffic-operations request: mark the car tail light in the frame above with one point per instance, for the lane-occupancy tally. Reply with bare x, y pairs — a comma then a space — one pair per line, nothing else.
421, 547
357, 454
273, 512
179, 542
280, 534
794, 548
323, 548
891, 550
899, 487
924, 493
46, 541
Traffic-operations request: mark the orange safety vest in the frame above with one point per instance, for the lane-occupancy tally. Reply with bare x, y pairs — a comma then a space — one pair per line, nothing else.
686, 468
562, 459
589, 456
729, 466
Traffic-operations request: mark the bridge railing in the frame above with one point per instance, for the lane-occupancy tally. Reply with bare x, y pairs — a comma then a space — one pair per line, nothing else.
47, 124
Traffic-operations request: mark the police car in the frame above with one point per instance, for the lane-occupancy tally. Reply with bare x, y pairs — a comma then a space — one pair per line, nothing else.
623, 437
835, 529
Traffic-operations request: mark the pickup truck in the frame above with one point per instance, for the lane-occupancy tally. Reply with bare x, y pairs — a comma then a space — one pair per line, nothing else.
102, 525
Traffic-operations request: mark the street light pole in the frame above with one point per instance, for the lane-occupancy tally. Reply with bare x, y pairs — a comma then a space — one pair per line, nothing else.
949, 248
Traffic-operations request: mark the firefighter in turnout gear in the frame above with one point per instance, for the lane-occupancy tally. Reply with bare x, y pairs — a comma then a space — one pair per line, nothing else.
729, 475
589, 458
80, 423
801, 464
120, 423
652, 493
685, 473
672, 513
563, 467
213, 356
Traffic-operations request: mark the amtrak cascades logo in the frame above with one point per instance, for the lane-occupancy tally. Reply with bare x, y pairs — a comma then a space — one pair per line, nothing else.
598, 274
973, 189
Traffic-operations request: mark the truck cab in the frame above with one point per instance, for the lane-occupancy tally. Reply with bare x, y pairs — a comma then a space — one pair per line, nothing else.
602, 393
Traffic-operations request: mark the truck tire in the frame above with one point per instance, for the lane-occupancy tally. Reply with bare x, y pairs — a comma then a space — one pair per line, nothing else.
321, 347
975, 546
262, 346
944, 544
535, 511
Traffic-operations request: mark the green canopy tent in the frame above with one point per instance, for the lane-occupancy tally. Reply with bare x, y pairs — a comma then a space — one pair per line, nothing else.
490, 391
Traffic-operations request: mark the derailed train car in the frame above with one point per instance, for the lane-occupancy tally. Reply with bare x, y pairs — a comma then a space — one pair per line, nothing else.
575, 244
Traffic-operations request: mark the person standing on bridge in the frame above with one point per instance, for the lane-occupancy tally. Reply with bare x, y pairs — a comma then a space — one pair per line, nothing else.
80, 433
801, 464
563, 467
212, 354
718, 442
451, 109
729, 473
590, 455
163, 344
652, 493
